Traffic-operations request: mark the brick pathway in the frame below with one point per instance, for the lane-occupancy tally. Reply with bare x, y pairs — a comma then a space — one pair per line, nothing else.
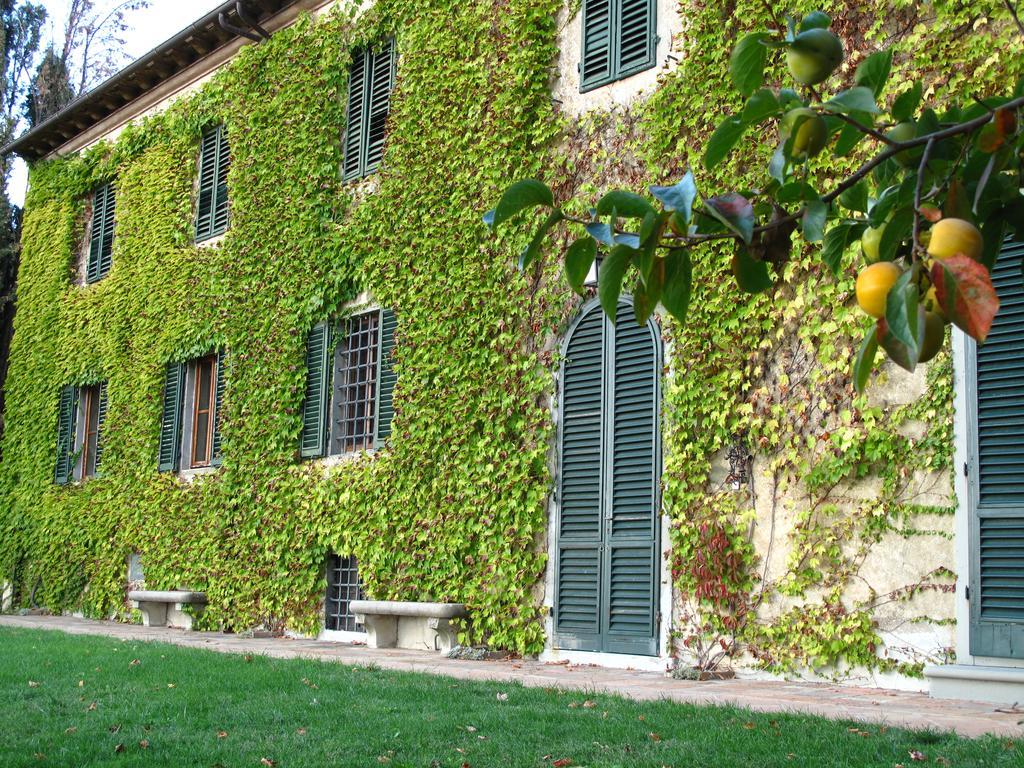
910, 710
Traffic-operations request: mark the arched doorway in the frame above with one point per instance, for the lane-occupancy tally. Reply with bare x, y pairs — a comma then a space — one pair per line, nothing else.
609, 467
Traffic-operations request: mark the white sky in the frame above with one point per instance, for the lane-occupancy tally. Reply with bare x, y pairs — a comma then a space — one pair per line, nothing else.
150, 27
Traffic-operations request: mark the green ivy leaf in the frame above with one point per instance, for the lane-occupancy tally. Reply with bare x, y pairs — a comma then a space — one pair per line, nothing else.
735, 212
746, 65
856, 99
675, 294
873, 72
579, 258
528, 193
629, 205
723, 140
609, 280
752, 276
679, 197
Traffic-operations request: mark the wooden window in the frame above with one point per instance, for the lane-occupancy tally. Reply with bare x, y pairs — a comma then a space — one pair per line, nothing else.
619, 40
214, 162
90, 437
204, 396
82, 411
101, 236
371, 78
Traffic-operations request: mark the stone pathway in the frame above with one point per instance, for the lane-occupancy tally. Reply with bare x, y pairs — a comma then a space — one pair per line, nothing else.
894, 708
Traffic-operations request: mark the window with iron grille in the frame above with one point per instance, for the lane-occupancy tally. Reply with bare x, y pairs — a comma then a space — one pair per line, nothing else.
212, 205
350, 380
343, 586
371, 78
619, 40
101, 235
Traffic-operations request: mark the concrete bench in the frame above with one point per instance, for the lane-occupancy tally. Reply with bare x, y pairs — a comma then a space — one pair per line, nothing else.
167, 609
419, 626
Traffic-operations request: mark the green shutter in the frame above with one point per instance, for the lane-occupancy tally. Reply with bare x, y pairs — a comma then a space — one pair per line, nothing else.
618, 38
101, 241
214, 161
67, 417
379, 104
218, 407
170, 425
609, 468
386, 376
578, 584
313, 442
100, 420
371, 79
632, 553
355, 127
596, 67
997, 479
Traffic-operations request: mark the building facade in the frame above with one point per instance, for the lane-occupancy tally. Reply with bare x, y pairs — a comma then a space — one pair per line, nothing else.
266, 349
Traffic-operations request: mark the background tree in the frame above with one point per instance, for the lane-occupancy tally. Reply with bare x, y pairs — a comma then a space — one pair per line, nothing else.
21, 29
50, 90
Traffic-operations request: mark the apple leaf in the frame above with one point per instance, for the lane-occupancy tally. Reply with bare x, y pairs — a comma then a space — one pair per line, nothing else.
874, 71
723, 140
609, 280
865, 360
629, 205
579, 258
520, 196
746, 65
752, 276
675, 294
531, 251
966, 294
902, 318
679, 197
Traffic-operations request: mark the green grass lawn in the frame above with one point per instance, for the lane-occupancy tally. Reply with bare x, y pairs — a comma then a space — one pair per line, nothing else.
89, 701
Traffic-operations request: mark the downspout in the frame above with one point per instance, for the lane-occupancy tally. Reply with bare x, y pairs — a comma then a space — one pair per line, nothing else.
258, 36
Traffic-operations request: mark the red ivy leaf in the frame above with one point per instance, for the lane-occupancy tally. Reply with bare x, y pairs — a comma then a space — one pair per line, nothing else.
966, 295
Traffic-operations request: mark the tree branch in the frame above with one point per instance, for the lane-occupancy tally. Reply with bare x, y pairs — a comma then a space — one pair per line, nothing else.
925, 159
1012, 8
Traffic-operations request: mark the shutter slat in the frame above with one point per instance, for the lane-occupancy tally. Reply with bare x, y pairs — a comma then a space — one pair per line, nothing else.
314, 408
221, 203
388, 377
170, 422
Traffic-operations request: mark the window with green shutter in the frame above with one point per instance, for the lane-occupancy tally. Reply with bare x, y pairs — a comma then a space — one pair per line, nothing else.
193, 411
996, 473
212, 204
619, 39
101, 236
371, 78
170, 419
350, 381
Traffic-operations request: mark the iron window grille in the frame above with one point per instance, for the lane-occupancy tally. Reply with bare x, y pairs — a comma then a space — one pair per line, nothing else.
343, 586
353, 424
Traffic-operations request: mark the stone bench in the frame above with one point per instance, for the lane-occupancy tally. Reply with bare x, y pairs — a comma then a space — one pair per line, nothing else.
167, 609
418, 626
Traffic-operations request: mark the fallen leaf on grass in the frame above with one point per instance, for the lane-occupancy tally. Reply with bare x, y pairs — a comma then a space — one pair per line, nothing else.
248, 657
81, 683
301, 731
471, 729
749, 726
134, 662
561, 763
588, 704
654, 737
33, 684
222, 734
115, 728
92, 707
502, 697
790, 756
917, 755
39, 756
144, 743
171, 685
267, 762
119, 749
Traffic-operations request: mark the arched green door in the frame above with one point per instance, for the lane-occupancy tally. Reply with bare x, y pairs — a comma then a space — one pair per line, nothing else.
606, 596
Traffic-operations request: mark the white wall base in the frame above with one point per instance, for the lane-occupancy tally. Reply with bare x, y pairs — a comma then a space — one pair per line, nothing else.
1002, 685
337, 636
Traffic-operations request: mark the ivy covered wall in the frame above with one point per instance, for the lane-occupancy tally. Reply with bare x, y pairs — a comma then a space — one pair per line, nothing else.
456, 507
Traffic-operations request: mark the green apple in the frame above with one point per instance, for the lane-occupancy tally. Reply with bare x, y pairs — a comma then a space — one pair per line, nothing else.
814, 55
